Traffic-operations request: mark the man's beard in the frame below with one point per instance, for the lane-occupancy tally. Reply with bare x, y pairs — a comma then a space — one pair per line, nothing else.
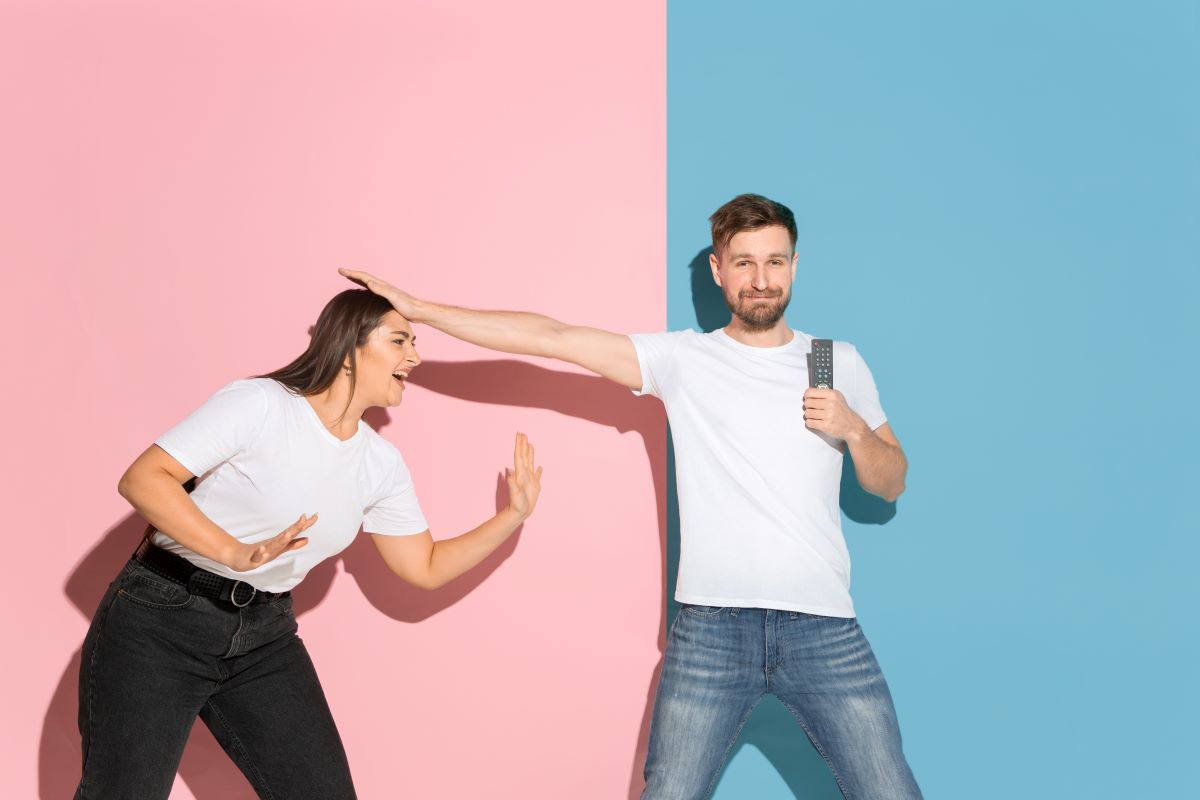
755, 314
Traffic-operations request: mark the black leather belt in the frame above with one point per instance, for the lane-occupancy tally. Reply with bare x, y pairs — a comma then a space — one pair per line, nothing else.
198, 581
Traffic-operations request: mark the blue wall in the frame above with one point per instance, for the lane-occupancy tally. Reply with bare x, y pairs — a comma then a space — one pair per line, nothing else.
1013, 190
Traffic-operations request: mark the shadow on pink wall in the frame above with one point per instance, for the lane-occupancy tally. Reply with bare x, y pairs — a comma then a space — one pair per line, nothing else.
207, 771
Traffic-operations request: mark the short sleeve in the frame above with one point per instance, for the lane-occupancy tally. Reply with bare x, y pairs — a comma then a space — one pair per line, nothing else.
226, 424
864, 399
396, 512
655, 352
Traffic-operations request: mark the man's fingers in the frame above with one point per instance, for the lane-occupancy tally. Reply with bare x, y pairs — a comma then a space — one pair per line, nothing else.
358, 277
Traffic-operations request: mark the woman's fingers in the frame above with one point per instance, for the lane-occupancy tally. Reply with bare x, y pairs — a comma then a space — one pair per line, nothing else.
289, 539
523, 455
524, 479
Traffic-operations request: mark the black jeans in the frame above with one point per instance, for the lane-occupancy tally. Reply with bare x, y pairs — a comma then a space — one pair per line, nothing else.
155, 657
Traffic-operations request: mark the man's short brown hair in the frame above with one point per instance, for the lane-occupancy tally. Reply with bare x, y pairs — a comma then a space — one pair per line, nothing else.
749, 212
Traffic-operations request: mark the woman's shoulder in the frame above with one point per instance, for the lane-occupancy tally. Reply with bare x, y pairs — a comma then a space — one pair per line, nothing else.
377, 447
384, 464
266, 390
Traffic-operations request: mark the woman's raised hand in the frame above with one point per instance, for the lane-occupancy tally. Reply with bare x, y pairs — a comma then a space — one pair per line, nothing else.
524, 480
248, 556
400, 300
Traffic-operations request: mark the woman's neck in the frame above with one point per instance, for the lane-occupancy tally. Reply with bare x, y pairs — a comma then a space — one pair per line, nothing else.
336, 409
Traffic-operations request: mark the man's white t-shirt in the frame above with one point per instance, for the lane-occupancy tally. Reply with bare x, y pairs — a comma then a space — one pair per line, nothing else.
263, 457
760, 525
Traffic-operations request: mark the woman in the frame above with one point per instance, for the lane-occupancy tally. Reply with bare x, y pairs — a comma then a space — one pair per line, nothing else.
200, 621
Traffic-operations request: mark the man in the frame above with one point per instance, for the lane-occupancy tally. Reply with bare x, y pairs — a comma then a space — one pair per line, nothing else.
764, 573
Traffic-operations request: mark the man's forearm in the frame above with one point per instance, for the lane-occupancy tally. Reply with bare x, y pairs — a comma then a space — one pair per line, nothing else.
611, 355
879, 466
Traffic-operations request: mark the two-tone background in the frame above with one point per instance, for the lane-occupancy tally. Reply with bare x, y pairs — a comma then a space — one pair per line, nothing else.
998, 204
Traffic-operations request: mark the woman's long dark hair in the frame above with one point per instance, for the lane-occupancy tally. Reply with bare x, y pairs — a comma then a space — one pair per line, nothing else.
344, 325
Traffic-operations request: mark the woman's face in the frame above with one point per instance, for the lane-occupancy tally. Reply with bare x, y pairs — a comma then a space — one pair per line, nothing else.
385, 361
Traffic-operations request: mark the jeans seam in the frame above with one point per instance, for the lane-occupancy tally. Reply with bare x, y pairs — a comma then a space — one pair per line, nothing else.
91, 697
712, 784
817, 744
241, 748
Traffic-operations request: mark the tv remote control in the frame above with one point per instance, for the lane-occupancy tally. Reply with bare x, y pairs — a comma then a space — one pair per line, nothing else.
820, 364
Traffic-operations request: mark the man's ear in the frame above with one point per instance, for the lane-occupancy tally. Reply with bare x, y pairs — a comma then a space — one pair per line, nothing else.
715, 265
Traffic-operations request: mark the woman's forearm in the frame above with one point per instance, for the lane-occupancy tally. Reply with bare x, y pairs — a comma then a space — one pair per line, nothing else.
161, 500
452, 557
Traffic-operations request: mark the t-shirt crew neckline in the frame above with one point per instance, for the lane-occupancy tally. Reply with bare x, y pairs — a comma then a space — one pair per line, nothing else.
749, 348
316, 421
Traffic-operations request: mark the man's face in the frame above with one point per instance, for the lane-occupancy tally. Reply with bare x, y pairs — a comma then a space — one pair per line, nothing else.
755, 272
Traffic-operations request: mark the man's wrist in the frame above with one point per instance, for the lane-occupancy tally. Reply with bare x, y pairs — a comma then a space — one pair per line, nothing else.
408, 307
858, 431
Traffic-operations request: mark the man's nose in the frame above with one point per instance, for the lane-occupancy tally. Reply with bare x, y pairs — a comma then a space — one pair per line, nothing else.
759, 278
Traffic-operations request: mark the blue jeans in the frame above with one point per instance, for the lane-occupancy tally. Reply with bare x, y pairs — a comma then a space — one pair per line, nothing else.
721, 661
157, 657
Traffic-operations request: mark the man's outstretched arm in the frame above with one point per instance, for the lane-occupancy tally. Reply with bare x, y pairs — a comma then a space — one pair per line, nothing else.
608, 354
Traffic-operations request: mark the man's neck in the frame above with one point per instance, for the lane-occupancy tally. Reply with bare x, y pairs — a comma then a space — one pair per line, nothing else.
777, 335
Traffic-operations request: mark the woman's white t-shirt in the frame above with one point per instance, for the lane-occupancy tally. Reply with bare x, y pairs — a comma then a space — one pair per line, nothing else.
262, 457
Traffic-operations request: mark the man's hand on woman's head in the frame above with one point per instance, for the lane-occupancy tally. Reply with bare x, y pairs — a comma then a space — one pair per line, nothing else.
403, 302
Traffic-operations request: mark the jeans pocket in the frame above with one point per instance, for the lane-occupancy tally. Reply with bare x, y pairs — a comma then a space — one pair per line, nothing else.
703, 611
145, 588
283, 605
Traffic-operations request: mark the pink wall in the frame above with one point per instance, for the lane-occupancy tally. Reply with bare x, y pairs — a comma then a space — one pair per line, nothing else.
180, 182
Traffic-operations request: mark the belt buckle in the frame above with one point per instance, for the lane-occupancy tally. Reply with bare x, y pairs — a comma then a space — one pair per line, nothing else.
233, 594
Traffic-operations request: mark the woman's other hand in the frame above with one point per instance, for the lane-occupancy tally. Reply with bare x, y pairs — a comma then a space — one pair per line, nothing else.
524, 480
248, 556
